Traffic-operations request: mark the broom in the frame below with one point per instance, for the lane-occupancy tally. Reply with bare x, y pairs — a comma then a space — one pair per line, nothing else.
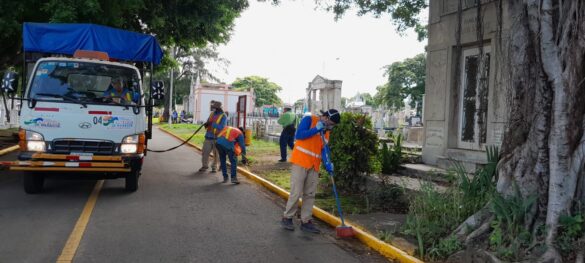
342, 231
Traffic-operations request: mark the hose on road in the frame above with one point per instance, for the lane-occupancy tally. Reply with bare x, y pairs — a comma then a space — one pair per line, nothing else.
184, 142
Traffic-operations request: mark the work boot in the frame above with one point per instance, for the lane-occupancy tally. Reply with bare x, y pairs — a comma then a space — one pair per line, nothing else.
310, 227
282, 160
287, 223
235, 181
225, 180
203, 169
213, 170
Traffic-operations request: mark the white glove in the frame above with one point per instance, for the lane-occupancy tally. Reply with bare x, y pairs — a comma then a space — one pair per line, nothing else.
320, 126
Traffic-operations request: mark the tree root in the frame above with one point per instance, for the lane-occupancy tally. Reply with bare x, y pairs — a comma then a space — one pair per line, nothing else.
484, 228
551, 255
473, 255
472, 223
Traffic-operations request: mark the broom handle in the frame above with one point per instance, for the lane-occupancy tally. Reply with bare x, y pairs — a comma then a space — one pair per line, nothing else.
327, 160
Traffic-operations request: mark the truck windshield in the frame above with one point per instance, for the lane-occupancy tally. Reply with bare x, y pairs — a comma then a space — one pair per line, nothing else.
85, 83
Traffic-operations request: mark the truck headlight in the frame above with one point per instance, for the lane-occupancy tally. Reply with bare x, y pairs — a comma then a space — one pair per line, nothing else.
133, 144
34, 141
128, 148
35, 146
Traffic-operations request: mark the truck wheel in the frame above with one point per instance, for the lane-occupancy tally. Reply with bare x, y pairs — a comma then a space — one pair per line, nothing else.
33, 182
132, 180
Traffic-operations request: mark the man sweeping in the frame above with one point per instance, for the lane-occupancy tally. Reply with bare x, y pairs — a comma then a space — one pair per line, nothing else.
306, 161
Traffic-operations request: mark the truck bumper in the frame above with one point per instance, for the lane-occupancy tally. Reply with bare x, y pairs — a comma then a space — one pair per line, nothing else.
28, 161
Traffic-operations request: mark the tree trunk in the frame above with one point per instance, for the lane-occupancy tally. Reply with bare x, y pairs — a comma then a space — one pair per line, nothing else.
543, 148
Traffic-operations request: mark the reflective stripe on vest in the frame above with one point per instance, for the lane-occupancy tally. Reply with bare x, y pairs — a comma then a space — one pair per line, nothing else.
228, 134
127, 94
217, 121
307, 152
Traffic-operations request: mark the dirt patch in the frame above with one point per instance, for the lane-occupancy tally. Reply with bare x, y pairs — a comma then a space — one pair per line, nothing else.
266, 163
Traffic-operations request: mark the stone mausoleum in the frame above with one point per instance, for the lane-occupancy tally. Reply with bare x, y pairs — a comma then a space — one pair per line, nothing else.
465, 89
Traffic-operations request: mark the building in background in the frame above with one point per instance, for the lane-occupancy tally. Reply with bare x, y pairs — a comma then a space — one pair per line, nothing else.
206, 92
329, 94
464, 103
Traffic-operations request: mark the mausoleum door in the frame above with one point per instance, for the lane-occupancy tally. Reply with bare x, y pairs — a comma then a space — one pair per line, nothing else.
473, 98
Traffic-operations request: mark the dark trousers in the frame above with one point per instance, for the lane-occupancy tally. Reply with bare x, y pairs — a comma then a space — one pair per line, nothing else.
223, 153
286, 139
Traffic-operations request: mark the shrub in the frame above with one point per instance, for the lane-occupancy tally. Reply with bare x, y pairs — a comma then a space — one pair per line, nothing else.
354, 146
391, 158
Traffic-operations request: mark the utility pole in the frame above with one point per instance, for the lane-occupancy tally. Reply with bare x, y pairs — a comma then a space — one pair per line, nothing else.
171, 91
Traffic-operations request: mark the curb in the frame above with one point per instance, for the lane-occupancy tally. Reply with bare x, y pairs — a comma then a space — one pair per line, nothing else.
368, 239
9, 149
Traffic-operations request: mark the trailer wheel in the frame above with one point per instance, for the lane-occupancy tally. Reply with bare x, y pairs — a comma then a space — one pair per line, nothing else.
132, 180
33, 182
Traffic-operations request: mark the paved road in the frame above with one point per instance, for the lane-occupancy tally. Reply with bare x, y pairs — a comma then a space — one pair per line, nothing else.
177, 215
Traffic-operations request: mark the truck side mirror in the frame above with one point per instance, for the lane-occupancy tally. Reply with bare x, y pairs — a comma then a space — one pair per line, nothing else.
158, 90
9, 82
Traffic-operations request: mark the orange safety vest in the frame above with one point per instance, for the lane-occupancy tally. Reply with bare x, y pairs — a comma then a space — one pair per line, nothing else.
125, 94
231, 134
307, 152
212, 118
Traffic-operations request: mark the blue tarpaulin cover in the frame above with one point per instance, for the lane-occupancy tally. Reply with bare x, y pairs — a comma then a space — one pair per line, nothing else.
67, 38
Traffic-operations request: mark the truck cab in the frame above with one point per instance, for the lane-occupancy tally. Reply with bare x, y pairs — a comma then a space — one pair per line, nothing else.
83, 115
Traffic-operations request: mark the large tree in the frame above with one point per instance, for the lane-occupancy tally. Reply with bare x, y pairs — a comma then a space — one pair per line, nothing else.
406, 79
543, 150
264, 90
182, 24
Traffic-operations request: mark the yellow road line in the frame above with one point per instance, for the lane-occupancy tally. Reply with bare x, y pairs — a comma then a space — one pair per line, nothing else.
74, 239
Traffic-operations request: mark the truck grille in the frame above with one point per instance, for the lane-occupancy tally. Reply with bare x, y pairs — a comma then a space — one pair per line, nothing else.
83, 146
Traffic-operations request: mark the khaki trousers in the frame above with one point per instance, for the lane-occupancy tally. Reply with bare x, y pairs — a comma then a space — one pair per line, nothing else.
208, 147
303, 183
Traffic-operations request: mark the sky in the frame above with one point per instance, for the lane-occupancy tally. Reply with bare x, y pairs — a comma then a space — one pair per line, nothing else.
292, 43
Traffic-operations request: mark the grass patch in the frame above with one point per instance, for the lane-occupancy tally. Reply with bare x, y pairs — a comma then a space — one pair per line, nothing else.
279, 177
254, 151
352, 204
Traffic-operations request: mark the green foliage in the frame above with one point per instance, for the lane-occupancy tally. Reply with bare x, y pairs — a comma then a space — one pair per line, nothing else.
386, 236
354, 146
405, 78
178, 23
405, 13
445, 248
391, 158
433, 215
571, 231
264, 90
509, 236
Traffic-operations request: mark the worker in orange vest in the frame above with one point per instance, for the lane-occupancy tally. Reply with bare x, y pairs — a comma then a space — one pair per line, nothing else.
230, 143
215, 123
306, 161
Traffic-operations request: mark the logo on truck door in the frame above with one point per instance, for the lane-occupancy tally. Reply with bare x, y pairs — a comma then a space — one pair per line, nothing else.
41, 122
112, 122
